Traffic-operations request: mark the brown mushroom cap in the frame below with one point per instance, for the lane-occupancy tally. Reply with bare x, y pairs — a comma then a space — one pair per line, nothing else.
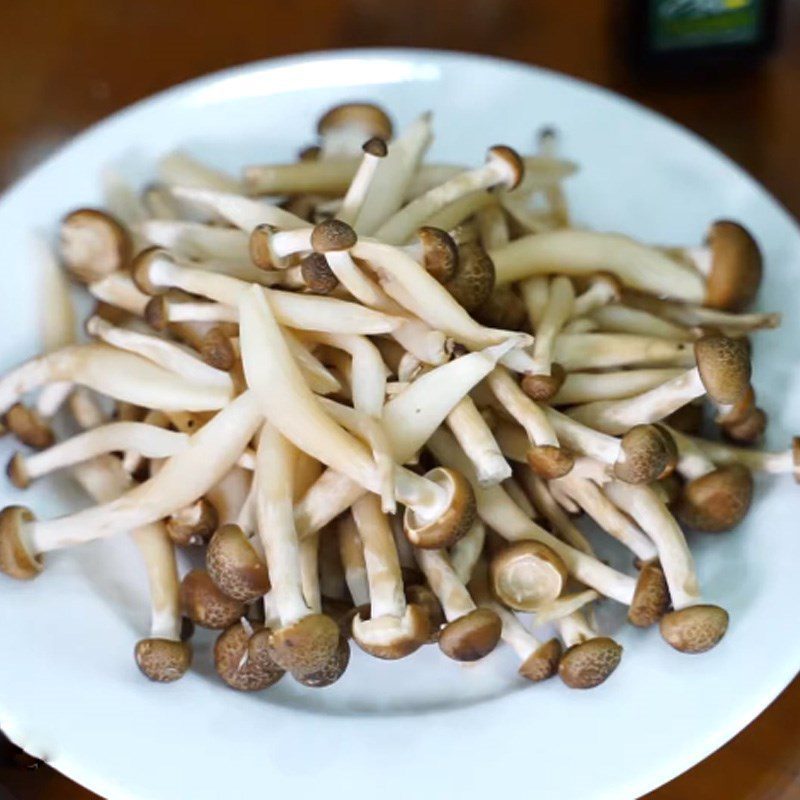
306, 646
796, 458
473, 282
194, 524
687, 419
310, 152
651, 597
736, 266
235, 566
738, 411
342, 612
163, 660
440, 253
512, 166
244, 661
717, 501
26, 424
471, 637
543, 662
526, 575
318, 276
503, 309
542, 388
372, 119
724, 366
649, 453
694, 629
672, 488
391, 637
332, 235
204, 603
588, 664
17, 471
422, 596
216, 349
550, 462
375, 146
93, 244
260, 247
748, 430
140, 270
156, 313
16, 560
331, 671
453, 523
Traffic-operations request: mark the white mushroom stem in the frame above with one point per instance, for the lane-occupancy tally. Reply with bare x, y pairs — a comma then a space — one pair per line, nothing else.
351, 551
306, 471
228, 494
517, 494
167, 354
580, 325
585, 440
454, 214
451, 593
182, 169
466, 552
775, 463
290, 278
274, 470
535, 294
580, 252
330, 495
577, 351
599, 294
500, 513
513, 632
619, 416
527, 413
644, 505
574, 629
157, 203
199, 311
181, 480
324, 176
52, 397
588, 387
118, 289
621, 319
356, 194
557, 311
132, 459
564, 606
476, 439
116, 373
195, 240
247, 518
492, 226
693, 462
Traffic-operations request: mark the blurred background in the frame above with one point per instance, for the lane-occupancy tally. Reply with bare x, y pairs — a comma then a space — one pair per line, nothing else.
727, 69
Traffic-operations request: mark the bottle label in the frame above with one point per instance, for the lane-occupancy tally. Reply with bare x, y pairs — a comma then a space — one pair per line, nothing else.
681, 24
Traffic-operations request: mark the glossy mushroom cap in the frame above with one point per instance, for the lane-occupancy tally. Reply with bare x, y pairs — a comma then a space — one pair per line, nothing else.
26, 424
695, 629
93, 244
724, 366
748, 430
588, 664
543, 662
550, 462
527, 575
509, 164
235, 566
422, 596
542, 388
473, 281
306, 646
141, 266
390, 637
440, 253
163, 660
318, 276
17, 471
649, 454
194, 524
205, 605
651, 597
717, 501
471, 637
331, 671
454, 520
216, 349
372, 119
16, 560
332, 235
244, 661
736, 266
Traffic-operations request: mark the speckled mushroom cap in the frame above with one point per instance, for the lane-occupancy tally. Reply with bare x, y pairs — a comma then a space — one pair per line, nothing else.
695, 629
235, 566
651, 597
510, 163
163, 660
473, 281
93, 244
318, 276
471, 637
306, 646
717, 501
503, 309
26, 424
216, 349
331, 671
244, 661
16, 560
456, 519
736, 266
440, 253
140, 270
590, 663
724, 366
648, 453
194, 524
372, 119
390, 637
543, 662
422, 596
527, 575
205, 604
550, 462
543, 388
332, 235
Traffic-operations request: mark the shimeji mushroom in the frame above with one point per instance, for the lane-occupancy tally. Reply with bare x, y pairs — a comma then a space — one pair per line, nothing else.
692, 627
466, 552
374, 150
28, 425
393, 628
618, 318
93, 244
602, 289
351, 552
206, 604
577, 351
527, 575
472, 281
235, 566
772, 463
588, 387
343, 128
118, 291
182, 169
589, 659
471, 632
116, 373
242, 657
195, 240
460, 212
722, 372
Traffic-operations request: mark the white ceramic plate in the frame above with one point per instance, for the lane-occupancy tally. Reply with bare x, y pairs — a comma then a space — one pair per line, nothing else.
69, 691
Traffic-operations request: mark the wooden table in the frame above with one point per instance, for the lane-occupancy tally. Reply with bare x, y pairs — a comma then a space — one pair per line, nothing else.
67, 63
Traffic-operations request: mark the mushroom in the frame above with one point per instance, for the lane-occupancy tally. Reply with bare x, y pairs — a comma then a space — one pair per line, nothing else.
589, 659
471, 632
93, 244
473, 280
118, 291
588, 387
577, 351
243, 659
194, 240
235, 566
351, 552
458, 213
503, 309
182, 169
618, 318
28, 426
692, 627
393, 629
774, 463
343, 128
466, 552
374, 150
603, 289
206, 604
527, 575
492, 226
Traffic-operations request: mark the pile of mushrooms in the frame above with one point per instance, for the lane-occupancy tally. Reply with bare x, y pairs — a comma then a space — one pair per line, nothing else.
380, 395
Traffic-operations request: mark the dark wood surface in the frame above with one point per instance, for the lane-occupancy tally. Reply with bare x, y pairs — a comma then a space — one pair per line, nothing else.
66, 63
